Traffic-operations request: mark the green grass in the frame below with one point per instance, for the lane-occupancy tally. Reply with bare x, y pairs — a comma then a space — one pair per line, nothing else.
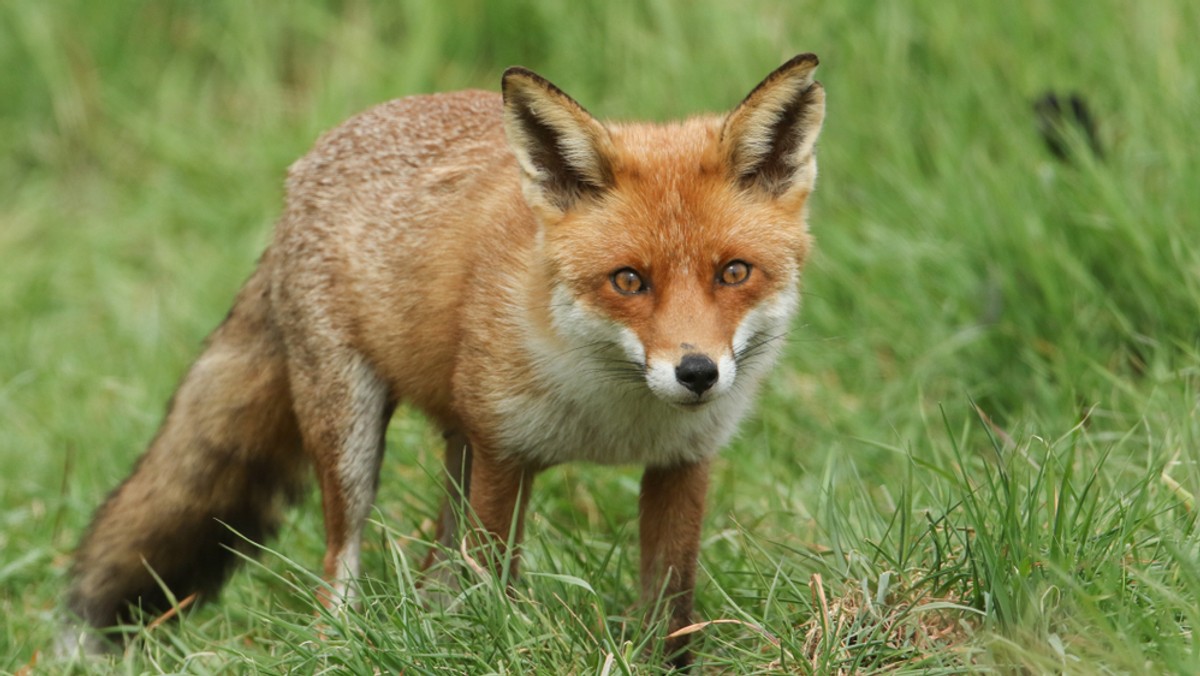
980, 452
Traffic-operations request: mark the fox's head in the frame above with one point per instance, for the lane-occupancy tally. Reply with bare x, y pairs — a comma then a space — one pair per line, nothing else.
672, 250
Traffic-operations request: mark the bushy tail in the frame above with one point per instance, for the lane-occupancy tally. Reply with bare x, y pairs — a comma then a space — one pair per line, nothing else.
227, 458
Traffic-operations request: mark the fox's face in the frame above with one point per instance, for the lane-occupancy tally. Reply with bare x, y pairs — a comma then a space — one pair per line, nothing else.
689, 275
674, 252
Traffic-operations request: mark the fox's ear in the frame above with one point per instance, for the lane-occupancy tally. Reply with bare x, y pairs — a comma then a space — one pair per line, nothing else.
565, 154
768, 140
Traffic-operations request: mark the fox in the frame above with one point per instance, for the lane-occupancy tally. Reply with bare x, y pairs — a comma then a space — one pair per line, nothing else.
544, 287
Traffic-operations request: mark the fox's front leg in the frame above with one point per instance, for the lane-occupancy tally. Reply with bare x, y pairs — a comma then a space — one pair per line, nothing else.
454, 504
458, 487
672, 509
498, 496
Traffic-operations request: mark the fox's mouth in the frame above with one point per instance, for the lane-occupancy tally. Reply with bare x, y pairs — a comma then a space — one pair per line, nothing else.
689, 382
693, 403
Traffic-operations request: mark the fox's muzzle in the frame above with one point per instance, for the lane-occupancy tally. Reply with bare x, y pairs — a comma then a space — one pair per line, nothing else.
696, 372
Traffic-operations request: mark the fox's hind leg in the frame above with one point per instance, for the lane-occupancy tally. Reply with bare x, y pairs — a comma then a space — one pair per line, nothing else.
343, 408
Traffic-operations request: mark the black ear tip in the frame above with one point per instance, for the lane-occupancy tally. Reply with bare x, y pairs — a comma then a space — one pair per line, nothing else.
516, 76
516, 72
800, 64
806, 59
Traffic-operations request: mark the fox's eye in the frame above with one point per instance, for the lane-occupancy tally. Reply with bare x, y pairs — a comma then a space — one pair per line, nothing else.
628, 282
734, 273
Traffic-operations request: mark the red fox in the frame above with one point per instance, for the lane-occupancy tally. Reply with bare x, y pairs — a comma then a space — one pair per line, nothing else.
544, 287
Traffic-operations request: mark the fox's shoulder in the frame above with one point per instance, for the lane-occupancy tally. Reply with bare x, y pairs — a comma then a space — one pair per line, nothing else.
410, 133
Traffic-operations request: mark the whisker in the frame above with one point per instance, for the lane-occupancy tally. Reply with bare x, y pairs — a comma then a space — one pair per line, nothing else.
618, 378
595, 345
616, 370
756, 345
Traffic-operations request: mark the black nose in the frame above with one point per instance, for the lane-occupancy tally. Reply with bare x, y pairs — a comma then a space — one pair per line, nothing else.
696, 372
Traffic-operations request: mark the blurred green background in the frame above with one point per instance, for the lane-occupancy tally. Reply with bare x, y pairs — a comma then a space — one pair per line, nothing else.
998, 348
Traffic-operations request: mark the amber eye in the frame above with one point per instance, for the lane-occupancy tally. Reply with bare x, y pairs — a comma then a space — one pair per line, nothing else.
734, 273
628, 282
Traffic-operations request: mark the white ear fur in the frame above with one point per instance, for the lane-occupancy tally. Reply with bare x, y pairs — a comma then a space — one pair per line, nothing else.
564, 153
769, 139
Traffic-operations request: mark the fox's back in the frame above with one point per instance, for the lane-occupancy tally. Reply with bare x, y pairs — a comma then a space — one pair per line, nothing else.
382, 232
418, 144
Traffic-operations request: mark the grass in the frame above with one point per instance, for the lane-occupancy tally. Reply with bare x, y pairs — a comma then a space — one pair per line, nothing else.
980, 452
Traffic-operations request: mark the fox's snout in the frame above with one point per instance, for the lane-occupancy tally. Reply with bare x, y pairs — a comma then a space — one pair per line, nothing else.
689, 378
696, 372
